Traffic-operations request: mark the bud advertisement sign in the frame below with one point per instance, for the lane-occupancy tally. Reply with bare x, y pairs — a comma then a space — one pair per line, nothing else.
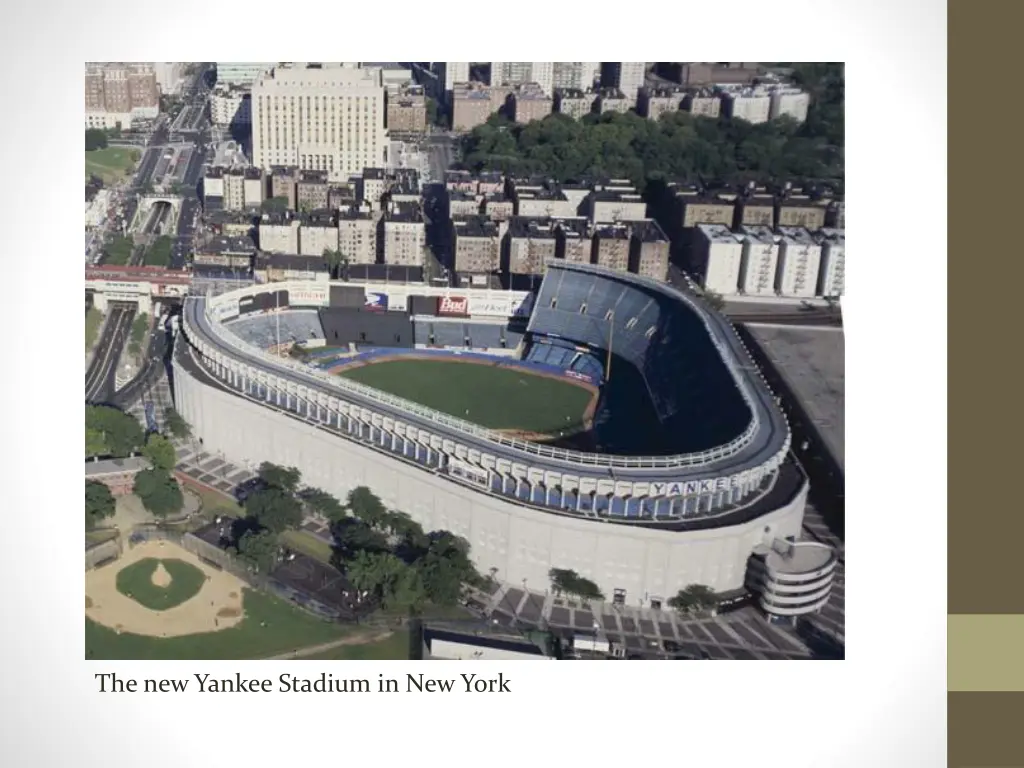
453, 306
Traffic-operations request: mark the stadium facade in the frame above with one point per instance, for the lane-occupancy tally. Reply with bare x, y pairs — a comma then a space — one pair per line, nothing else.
715, 485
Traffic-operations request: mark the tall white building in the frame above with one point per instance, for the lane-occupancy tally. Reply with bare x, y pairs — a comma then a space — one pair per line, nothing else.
514, 72
799, 263
627, 76
760, 261
721, 259
324, 119
580, 75
168, 76
750, 104
832, 274
242, 72
230, 105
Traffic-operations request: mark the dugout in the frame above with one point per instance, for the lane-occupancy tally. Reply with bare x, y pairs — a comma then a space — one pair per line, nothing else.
374, 328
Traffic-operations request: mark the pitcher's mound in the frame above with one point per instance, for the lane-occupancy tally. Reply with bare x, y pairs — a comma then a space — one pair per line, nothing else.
161, 577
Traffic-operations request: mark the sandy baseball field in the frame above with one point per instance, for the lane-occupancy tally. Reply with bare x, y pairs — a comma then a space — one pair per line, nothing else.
218, 605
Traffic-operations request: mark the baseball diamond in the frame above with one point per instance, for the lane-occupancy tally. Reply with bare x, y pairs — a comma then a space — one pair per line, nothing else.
676, 471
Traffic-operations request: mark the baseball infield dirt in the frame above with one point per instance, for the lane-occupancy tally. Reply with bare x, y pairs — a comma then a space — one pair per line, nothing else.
218, 605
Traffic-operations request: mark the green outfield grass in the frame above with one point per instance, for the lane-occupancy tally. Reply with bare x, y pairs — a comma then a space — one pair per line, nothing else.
271, 626
112, 163
491, 396
136, 581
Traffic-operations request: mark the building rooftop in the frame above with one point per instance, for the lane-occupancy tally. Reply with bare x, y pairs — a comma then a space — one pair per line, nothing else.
283, 170
227, 245
292, 261
474, 226
321, 217
717, 233
829, 235
812, 362
354, 212
759, 234
612, 232
277, 219
798, 557
648, 231
531, 226
252, 174
577, 227
404, 212
796, 236
312, 177
373, 173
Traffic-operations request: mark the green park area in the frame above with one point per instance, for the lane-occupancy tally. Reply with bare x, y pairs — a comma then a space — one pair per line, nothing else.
496, 397
159, 252
93, 321
118, 250
271, 626
111, 164
160, 584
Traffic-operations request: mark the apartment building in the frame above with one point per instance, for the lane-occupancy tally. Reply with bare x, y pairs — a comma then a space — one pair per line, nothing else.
118, 93
324, 119
613, 100
213, 188
341, 196
750, 104
605, 206
754, 206
835, 215
574, 241
476, 243
575, 103
277, 267
791, 102
626, 76
519, 72
448, 74
234, 189
576, 75
407, 111
278, 233
243, 73
530, 103
463, 203
283, 181
799, 263
459, 181
372, 186
530, 243
357, 234
230, 105
498, 207
799, 209
719, 258
832, 272
652, 103
169, 75
404, 238
254, 185
230, 252
490, 182
695, 205
612, 245
760, 260
703, 73
318, 231
702, 102
650, 250
473, 104
548, 201
311, 190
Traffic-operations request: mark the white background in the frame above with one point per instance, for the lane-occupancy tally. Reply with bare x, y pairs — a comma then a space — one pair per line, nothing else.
884, 705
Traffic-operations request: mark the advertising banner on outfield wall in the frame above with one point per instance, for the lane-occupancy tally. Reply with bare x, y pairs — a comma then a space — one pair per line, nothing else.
485, 307
376, 302
312, 296
247, 304
452, 306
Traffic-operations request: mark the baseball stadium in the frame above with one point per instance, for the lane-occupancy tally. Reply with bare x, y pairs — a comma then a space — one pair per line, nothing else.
603, 423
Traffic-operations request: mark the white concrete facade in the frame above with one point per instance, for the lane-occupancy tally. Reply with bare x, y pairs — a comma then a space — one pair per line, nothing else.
279, 238
832, 274
329, 119
791, 102
760, 262
516, 72
522, 543
799, 263
722, 259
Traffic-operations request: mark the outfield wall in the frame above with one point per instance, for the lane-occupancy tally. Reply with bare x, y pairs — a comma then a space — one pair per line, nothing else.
521, 543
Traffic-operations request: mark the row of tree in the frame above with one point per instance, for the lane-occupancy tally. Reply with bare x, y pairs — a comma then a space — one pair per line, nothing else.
677, 146
696, 598
382, 552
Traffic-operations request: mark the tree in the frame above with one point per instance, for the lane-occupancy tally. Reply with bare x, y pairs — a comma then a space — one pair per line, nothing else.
274, 509
338, 263
274, 205
159, 492
95, 138
119, 434
95, 445
322, 503
283, 478
353, 537
365, 505
571, 584
160, 452
259, 549
390, 581
176, 425
99, 503
694, 599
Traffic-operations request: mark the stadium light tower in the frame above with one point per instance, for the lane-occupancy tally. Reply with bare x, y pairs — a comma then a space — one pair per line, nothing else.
608, 352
